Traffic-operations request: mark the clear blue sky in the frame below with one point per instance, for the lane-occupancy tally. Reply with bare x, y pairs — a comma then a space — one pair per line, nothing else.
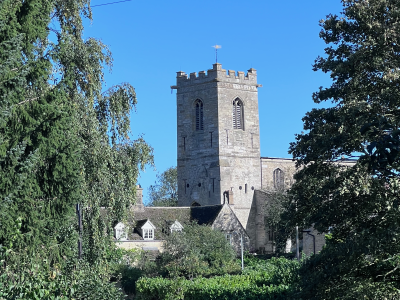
152, 40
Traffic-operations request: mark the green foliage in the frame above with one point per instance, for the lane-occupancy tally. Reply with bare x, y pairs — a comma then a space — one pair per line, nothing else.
276, 206
129, 277
62, 142
281, 270
263, 280
39, 164
224, 287
360, 201
24, 277
129, 268
34, 282
164, 192
325, 276
197, 251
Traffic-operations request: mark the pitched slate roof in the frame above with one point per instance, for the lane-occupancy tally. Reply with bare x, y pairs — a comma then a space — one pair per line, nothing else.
140, 223
205, 215
160, 217
163, 217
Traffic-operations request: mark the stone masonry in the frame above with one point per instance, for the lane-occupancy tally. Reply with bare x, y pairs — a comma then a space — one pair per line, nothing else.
218, 163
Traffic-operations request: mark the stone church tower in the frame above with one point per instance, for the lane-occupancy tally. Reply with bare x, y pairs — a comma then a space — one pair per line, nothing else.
218, 139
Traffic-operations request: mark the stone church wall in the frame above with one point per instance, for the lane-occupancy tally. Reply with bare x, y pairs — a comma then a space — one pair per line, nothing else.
218, 158
227, 223
257, 228
198, 171
239, 149
220, 162
308, 242
269, 164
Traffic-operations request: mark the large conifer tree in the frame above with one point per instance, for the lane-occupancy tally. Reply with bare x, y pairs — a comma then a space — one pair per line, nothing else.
62, 139
39, 165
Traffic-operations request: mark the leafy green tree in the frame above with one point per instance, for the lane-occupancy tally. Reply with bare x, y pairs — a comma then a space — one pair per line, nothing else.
360, 201
276, 206
197, 251
164, 192
62, 141
194, 252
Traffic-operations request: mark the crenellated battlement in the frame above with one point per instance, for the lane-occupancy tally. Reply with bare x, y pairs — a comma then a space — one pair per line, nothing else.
216, 74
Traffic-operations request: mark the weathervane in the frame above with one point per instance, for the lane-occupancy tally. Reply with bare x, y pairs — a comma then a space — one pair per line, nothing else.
216, 52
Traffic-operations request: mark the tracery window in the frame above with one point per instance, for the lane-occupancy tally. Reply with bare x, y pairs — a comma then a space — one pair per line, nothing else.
199, 115
279, 179
237, 114
271, 234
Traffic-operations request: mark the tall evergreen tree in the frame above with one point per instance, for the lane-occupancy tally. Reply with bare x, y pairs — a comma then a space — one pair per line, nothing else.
39, 163
358, 204
62, 139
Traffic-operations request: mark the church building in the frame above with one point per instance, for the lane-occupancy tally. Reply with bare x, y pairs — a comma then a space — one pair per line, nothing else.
223, 181
219, 161
219, 158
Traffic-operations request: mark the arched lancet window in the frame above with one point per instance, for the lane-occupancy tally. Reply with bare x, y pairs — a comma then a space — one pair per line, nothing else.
199, 115
279, 179
237, 114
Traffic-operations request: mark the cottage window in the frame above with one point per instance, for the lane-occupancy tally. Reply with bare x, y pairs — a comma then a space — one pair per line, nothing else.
148, 234
237, 114
199, 115
279, 179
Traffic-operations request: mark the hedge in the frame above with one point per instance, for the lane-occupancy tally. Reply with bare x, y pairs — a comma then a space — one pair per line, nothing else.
249, 286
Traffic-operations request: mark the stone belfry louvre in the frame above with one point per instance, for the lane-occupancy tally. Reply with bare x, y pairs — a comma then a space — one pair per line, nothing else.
218, 139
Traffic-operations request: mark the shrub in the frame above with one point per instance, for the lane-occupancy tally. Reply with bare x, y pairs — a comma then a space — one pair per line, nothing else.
272, 279
197, 251
34, 282
250, 286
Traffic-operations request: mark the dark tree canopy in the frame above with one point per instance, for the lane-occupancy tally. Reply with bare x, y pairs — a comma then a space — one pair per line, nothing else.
360, 202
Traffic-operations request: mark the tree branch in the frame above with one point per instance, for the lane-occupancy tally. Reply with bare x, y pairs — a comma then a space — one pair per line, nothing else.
27, 100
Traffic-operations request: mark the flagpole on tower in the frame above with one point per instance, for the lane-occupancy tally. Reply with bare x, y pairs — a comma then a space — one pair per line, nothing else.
216, 52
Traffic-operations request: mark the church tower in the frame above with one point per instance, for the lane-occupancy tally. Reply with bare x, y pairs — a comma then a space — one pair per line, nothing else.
218, 139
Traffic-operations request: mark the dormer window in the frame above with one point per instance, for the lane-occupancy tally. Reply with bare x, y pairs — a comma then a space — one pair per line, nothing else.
120, 232
237, 114
199, 115
148, 234
176, 227
146, 229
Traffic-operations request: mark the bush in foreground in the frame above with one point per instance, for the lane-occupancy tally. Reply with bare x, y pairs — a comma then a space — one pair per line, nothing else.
264, 280
197, 251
